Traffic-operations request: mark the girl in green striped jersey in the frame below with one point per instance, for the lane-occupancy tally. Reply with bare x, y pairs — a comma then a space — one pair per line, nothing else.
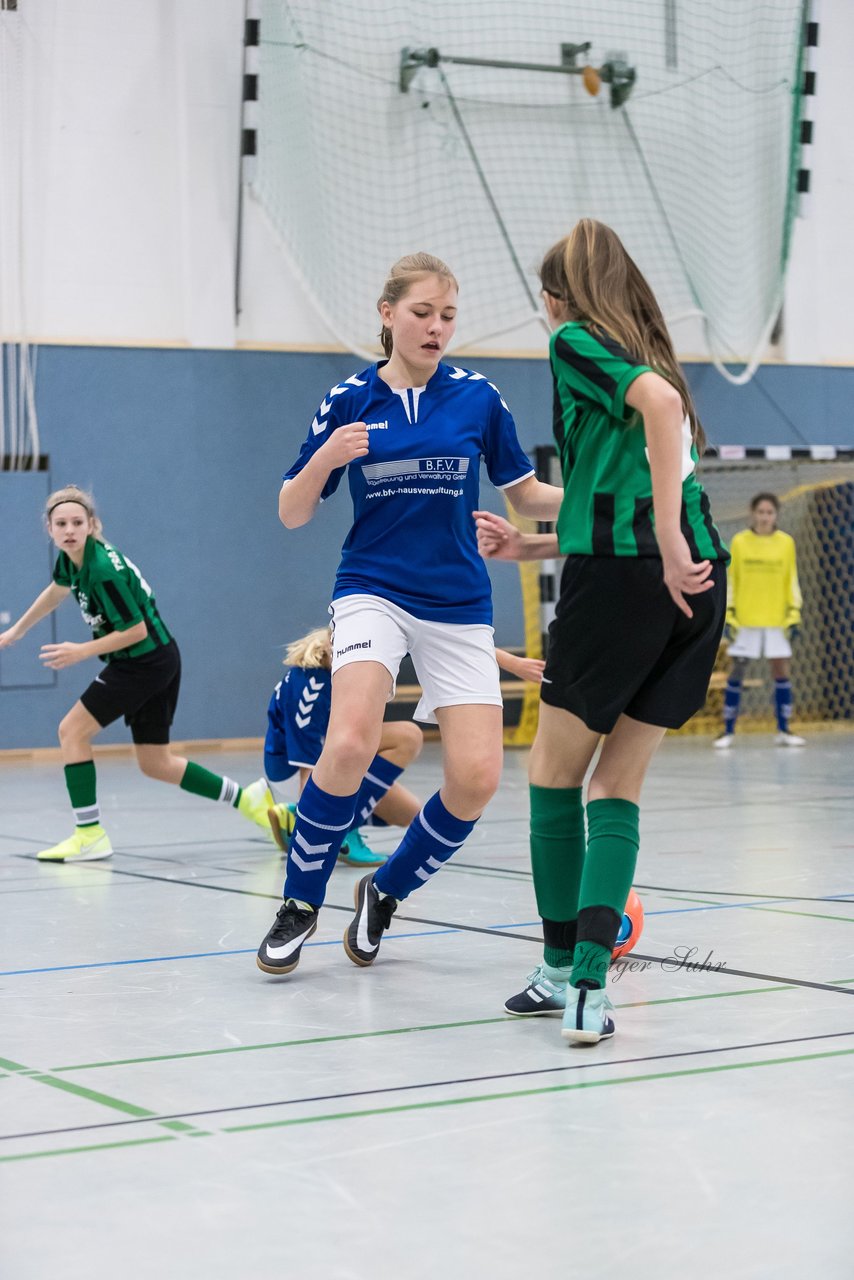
140, 678
640, 613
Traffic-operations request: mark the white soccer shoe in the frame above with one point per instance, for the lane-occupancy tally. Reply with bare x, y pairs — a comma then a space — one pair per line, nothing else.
789, 740
724, 741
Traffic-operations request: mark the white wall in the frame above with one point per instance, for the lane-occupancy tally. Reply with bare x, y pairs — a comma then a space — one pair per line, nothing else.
122, 226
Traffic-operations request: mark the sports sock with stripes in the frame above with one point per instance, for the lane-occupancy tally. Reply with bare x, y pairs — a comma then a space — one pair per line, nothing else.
783, 703
201, 782
323, 821
432, 837
381, 775
732, 701
557, 859
81, 784
609, 867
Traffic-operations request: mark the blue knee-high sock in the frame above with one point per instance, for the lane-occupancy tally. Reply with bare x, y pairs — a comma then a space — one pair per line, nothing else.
380, 777
323, 821
430, 840
732, 699
783, 703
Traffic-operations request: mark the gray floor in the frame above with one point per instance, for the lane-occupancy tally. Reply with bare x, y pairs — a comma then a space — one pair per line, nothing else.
390, 1122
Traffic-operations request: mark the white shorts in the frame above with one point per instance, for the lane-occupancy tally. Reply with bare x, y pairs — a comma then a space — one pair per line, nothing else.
760, 642
454, 662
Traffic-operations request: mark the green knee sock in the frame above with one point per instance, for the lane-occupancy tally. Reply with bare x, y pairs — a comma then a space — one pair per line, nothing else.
609, 868
80, 782
557, 857
201, 782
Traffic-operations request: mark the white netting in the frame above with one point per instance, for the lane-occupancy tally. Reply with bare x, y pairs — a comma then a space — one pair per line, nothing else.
487, 167
817, 509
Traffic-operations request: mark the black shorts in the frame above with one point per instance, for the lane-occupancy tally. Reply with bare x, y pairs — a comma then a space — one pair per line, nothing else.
619, 645
144, 690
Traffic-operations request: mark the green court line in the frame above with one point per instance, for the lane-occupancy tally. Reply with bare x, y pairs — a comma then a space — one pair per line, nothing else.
530, 1093
503, 1096
398, 1031
106, 1100
281, 1044
811, 915
782, 911
103, 1099
8, 1065
73, 1151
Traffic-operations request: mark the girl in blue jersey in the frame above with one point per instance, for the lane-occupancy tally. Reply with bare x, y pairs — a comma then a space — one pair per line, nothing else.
640, 614
410, 433
297, 721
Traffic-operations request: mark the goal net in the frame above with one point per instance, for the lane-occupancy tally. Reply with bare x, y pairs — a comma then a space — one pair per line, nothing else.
817, 509
388, 127
816, 495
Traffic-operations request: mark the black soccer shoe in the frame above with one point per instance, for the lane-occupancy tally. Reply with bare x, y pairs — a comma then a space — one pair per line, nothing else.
280, 950
541, 996
372, 918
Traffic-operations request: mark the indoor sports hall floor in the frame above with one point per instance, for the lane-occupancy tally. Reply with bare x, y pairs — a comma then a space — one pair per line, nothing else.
169, 1111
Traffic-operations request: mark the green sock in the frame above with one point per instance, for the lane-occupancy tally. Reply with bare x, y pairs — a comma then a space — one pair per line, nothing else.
80, 782
201, 782
557, 858
609, 868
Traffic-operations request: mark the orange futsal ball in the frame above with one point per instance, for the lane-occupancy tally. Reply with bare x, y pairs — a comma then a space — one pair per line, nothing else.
591, 80
631, 927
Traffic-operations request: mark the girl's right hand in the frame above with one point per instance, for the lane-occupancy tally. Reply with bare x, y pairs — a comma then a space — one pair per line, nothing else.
8, 637
681, 575
345, 445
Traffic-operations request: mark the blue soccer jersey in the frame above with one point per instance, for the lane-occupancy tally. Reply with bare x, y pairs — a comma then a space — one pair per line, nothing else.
413, 539
297, 718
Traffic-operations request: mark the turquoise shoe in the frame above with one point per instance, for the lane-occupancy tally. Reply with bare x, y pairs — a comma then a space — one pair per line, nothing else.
355, 852
283, 819
541, 996
585, 1019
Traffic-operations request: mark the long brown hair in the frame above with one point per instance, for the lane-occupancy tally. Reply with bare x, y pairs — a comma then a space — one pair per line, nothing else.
402, 276
601, 286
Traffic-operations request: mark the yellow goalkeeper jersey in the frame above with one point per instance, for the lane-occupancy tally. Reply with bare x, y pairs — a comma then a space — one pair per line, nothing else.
762, 581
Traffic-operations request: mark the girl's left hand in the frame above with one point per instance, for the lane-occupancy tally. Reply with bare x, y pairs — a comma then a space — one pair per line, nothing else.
682, 576
64, 654
530, 669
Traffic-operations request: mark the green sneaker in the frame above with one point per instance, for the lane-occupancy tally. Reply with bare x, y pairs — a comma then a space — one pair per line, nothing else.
355, 852
255, 801
88, 844
283, 819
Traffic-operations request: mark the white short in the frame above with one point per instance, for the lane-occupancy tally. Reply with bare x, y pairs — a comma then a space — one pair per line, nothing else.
454, 662
760, 642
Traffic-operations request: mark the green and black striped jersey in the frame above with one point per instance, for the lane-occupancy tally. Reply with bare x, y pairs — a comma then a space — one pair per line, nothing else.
607, 505
113, 596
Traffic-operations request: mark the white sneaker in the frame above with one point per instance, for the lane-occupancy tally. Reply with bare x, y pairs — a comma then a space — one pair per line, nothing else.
789, 740
724, 741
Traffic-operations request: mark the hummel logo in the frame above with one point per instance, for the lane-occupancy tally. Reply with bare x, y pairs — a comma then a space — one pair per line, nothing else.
360, 644
377, 426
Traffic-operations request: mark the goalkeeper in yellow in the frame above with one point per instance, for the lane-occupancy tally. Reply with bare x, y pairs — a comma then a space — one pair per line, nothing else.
763, 613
